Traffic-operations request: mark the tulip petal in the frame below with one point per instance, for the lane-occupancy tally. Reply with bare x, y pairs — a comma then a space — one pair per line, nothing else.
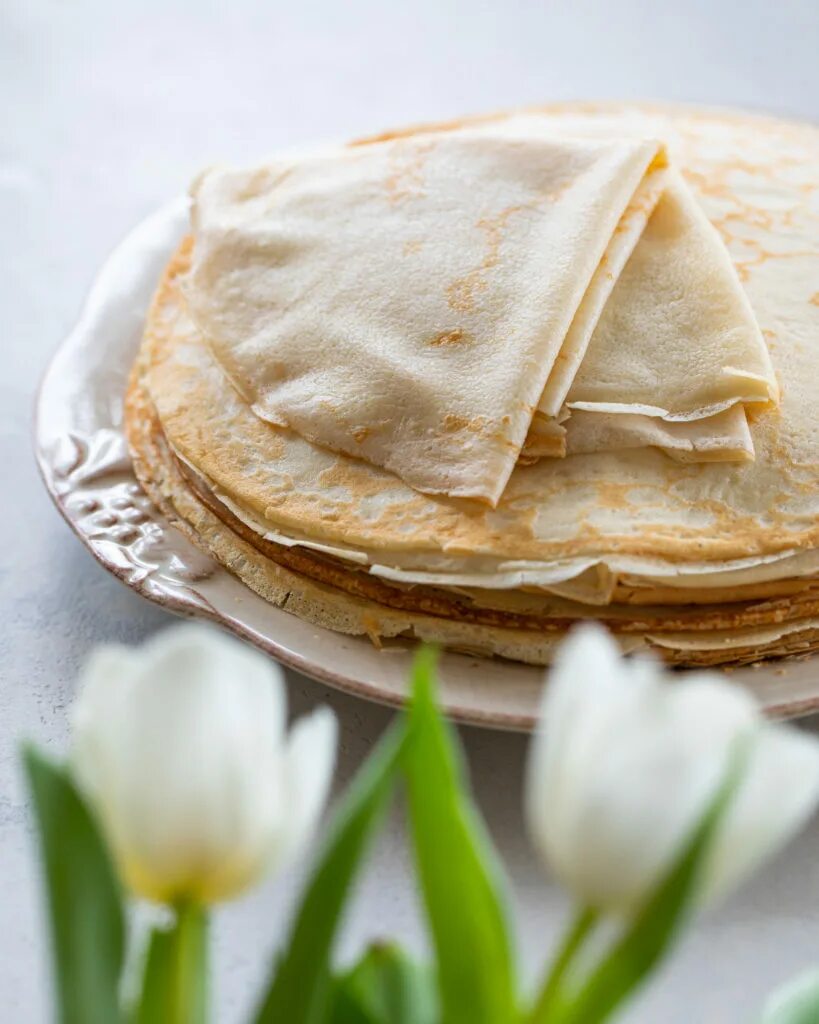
593, 695
776, 796
311, 758
581, 682
103, 683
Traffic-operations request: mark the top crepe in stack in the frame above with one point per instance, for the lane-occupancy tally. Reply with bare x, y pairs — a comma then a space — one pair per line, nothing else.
322, 338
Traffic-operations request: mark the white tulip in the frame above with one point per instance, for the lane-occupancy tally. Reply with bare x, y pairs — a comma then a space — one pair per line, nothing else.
626, 761
181, 747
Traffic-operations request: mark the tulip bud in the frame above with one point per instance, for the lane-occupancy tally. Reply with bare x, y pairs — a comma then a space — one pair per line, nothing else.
627, 759
181, 747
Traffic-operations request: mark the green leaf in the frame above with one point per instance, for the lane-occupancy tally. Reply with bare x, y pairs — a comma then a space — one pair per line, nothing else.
460, 878
174, 985
652, 932
299, 990
797, 1002
84, 896
385, 987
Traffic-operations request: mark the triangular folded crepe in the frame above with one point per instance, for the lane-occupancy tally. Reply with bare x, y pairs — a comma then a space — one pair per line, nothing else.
430, 303
678, 335
407, 302
676, 346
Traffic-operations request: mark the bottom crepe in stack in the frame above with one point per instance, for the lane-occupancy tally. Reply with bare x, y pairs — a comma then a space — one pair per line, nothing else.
709, 563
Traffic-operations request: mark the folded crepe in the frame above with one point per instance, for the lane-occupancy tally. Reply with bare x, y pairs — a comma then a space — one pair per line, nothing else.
710, 563
406, 302
676, 355
428, 303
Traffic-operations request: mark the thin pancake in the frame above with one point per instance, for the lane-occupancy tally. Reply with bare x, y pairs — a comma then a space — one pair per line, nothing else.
406, 303
723, 437
679, 336
675, 354
320, 281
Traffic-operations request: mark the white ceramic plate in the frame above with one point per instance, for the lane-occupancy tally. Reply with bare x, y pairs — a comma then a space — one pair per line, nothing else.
84, 461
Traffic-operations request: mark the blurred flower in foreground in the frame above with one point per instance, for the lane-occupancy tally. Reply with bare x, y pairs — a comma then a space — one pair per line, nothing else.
626, 761
181, 746
796, 1002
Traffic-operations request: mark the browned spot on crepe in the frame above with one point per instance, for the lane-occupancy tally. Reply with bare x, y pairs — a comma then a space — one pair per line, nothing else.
462, 293
457, 336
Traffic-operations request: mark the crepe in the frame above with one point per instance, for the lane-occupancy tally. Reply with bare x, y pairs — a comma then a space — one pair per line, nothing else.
676, 346
713, 563
406, 302
365, 299
722, 437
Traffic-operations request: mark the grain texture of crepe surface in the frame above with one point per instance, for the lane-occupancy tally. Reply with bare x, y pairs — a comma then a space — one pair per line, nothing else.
406, 302
629, 536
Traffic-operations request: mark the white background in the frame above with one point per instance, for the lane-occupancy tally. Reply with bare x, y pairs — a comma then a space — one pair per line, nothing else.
107, 109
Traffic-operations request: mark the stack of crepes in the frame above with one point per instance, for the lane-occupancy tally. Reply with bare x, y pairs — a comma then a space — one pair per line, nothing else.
475, 382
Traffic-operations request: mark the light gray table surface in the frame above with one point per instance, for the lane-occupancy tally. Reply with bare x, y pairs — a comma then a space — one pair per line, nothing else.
106, 110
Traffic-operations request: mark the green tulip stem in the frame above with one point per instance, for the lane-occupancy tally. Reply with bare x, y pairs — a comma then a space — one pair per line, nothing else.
189, 964
552, 994
175, 982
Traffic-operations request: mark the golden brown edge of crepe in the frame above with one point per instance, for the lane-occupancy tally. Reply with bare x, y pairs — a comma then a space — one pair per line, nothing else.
733, 611
325, 606
773, 541
736, 610
320, 590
